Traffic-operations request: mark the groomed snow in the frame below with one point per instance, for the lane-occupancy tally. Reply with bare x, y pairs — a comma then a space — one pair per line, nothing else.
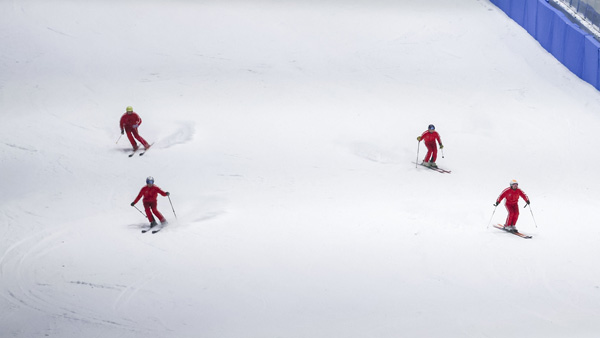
285, 132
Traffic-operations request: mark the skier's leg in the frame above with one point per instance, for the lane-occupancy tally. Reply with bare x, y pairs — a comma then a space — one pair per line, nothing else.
513, 214
160, 217
433, 154
148, 210
139, 138
428, 155
131, 139
509, 216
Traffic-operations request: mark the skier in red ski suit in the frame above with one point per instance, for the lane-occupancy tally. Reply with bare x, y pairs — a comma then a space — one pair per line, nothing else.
150, 192
429, 136
130, 121
512, 195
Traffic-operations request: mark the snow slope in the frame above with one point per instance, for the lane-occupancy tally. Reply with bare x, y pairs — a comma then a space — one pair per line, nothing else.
285, 132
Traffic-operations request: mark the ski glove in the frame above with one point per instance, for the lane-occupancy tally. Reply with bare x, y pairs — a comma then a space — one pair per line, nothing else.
441, 146
168, 193
132, 203
419, 138
122, 131
496, 204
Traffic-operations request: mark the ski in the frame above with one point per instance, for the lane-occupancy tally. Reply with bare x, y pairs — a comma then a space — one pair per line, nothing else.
148, 229
159, 228
501, 227
438, 169
146, 149
155, 228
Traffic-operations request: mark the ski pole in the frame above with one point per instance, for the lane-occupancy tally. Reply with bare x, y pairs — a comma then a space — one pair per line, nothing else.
531, 211
490, 222
417, 161
169, 197
118, 138
442, 149
136, 208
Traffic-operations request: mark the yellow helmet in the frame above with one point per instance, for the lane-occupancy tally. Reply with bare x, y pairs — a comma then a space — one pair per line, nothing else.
129, 108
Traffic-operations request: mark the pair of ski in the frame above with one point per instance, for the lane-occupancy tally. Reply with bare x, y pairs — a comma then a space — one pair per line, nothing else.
516, 233
438, 169
143, 152
155, 229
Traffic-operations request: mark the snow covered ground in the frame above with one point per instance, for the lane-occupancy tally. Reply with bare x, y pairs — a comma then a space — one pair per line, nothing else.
285, 132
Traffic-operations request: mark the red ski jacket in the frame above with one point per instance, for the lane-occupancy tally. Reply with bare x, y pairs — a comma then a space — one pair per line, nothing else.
149, 193
512, 196
128, 120
430, 138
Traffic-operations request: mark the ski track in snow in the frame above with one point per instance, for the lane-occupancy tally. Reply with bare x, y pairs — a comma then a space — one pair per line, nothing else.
20, 148
184, 133
376, 153
19, 262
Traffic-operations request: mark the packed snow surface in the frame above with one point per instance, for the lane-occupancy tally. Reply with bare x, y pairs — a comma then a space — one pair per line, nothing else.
285, 132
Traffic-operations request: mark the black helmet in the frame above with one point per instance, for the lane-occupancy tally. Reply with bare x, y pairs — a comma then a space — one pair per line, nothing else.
431, 127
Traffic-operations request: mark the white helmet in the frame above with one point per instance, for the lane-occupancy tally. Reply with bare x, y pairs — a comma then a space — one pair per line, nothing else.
513, 182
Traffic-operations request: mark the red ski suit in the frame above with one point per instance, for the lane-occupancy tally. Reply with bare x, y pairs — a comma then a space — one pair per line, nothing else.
429, 138
512, 203
150, 193
130, 123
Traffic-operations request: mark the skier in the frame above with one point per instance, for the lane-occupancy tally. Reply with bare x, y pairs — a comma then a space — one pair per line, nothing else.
429, 136
150, 192
130, 121
512, 194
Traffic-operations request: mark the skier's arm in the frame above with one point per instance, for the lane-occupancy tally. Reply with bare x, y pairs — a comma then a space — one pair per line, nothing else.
501, 197
524, 196
138, 197
160, 191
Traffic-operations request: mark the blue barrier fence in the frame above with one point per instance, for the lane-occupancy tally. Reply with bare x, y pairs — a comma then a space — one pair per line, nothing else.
576, 49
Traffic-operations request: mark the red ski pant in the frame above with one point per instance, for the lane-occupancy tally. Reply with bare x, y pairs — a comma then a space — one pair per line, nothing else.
133, 133
513, 214
150, 207
431, 152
